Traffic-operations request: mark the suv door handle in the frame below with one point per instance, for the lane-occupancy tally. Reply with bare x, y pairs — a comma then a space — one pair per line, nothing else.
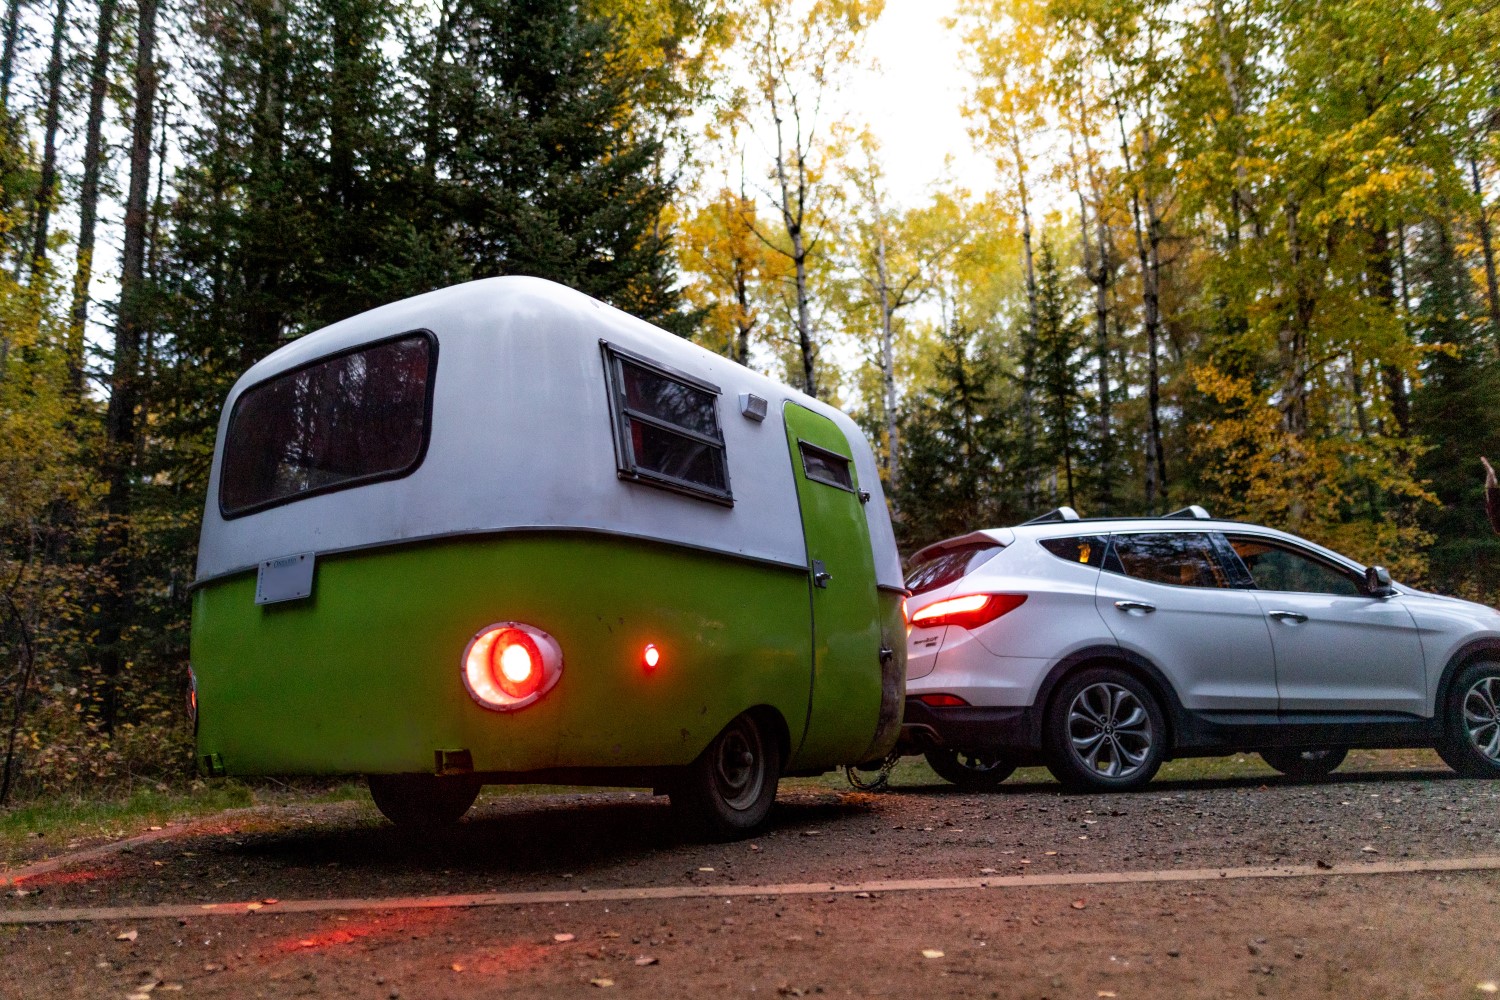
1141, 606
821, 576
1295, 617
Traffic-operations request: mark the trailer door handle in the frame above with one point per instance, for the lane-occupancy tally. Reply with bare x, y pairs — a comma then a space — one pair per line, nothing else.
821, 576
1295, 617
1141, 606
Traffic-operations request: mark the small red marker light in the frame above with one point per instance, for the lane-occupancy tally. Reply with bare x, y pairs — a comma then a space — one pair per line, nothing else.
941, 700
650, 656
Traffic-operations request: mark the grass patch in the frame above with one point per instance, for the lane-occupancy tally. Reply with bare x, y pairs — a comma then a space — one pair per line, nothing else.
49, 826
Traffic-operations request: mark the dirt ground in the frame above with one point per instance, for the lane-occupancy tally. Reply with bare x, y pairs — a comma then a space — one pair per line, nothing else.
1345, 935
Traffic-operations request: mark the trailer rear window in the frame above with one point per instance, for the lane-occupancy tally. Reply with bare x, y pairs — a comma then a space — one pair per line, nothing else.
667, 428
357, 417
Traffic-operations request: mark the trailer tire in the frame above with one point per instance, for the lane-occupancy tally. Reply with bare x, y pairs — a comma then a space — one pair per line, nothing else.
728, 791
422, 801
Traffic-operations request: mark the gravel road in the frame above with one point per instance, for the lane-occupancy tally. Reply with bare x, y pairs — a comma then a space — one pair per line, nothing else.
1431, 932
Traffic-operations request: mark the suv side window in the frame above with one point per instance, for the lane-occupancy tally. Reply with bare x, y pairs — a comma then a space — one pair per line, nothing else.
1176, 558
1086, 549
1279, 567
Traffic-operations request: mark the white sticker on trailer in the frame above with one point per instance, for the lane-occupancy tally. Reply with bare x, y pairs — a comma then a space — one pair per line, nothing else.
288, 578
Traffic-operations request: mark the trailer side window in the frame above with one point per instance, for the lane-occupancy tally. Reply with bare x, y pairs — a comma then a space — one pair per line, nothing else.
666, 427
356, 417
827, 467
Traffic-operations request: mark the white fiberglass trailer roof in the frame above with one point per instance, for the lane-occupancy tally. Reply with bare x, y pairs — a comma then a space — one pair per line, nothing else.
522, 438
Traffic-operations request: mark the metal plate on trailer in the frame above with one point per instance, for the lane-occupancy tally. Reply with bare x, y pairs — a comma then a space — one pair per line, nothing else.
288, 578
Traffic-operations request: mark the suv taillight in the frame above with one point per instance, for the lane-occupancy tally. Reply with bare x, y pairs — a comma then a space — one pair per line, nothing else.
969, 611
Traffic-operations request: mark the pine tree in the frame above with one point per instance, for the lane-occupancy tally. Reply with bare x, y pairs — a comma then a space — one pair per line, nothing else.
954, 471
541, 164
1451, 409
1057, 374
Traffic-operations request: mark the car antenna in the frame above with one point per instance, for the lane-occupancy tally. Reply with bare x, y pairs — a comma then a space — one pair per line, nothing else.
1060, 514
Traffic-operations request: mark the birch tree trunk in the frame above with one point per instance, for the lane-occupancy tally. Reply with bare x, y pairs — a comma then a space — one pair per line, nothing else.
88, 198
121, 428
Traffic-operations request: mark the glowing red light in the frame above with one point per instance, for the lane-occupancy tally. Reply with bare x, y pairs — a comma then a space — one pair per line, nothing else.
650, 656
969, 611
941, 700
506, 667
515, 663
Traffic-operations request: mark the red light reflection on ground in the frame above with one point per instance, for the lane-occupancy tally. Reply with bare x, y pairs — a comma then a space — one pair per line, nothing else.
46, 880
391, 925
500, 960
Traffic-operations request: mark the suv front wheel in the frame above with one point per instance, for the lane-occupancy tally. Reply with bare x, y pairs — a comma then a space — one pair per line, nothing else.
1471, 720
1104, 731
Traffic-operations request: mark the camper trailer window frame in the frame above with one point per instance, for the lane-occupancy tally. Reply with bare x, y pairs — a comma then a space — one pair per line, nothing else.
831, 457
230, 514
622, 414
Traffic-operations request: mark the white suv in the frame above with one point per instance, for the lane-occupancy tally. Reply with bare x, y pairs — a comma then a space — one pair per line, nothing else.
1102, 648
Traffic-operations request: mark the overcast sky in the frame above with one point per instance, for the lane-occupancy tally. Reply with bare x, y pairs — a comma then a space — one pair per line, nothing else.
913, 102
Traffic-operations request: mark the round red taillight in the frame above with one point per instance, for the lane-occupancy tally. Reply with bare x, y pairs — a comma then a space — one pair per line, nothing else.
516, 663
509, 665
650, 656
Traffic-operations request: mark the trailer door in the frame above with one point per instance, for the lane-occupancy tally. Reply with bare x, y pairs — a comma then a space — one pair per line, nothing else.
844, 707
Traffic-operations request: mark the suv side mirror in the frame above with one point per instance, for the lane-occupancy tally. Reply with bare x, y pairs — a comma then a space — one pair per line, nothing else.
1378, 582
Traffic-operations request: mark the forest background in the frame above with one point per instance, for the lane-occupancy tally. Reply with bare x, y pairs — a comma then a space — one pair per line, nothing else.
1234, 252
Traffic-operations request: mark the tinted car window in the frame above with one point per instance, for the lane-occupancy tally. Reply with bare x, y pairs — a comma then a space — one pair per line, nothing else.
345, 420
1179, 558
1086, 549
943, 568
1278, 567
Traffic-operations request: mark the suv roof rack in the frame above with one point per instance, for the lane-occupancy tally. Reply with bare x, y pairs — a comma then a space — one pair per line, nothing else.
1193, 511
1060, 514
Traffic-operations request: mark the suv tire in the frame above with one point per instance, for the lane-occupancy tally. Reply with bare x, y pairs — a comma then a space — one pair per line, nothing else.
1471, 721
977, 771
1104, 732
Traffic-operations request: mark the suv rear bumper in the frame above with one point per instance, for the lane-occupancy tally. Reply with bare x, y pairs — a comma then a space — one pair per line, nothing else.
967, 727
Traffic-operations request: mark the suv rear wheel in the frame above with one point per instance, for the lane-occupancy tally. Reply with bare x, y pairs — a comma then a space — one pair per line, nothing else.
1104, 731
974, 770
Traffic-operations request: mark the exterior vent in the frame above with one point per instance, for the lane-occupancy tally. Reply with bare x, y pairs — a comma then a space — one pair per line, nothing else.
1061, 514
1193, 512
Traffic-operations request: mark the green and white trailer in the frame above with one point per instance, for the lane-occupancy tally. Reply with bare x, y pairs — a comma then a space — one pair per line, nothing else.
503, 532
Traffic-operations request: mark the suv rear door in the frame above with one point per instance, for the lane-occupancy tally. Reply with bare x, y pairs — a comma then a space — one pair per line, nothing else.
1168, 598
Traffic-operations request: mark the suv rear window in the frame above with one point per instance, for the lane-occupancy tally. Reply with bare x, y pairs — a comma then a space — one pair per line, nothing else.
944, 567
356, 417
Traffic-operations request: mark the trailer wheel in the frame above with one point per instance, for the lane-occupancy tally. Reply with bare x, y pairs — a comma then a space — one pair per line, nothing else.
728, 791
422, 801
